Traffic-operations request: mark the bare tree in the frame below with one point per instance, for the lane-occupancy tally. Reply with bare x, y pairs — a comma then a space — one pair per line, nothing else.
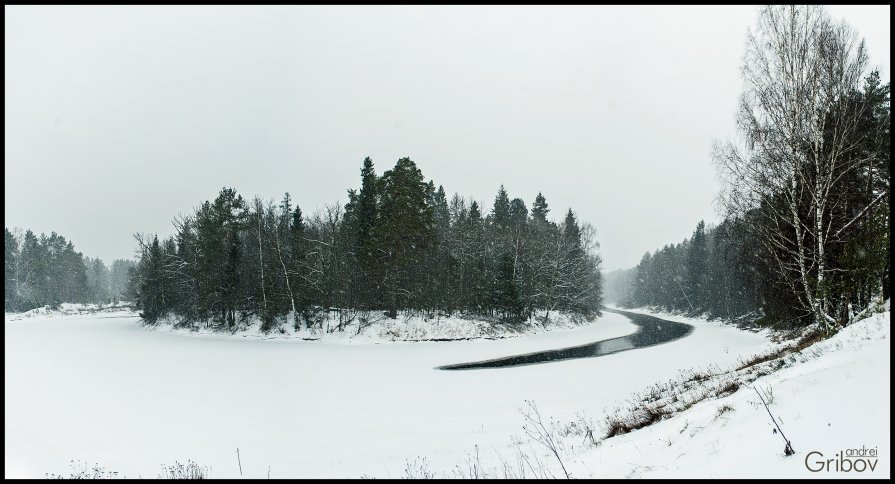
798, 68
259, 212
284, 225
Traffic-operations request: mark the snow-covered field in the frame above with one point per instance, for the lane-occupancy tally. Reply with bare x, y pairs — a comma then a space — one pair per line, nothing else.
101, 388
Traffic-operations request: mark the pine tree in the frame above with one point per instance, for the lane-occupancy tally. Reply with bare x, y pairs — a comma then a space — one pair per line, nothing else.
405, 229
218, 227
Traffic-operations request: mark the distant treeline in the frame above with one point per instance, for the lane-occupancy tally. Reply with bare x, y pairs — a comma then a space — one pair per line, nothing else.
47, 270
397, 244
721, 272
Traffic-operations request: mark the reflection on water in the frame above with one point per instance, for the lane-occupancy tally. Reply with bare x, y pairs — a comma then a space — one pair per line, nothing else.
652, 331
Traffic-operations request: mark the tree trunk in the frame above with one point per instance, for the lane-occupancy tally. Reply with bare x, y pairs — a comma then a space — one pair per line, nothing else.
393, 298
286, 276
261, 257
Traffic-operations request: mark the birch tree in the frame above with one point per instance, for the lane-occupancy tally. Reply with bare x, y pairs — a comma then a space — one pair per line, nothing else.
798, 65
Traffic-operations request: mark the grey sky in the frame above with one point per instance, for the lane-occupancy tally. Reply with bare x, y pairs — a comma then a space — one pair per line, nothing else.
118, 118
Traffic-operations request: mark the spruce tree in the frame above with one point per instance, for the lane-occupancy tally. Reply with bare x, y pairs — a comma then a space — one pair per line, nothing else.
697, 262
539, 209
367, 210
151, 283
518, 212
366, 214
500, 213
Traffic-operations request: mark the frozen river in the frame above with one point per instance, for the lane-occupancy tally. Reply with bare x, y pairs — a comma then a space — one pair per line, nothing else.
101, 388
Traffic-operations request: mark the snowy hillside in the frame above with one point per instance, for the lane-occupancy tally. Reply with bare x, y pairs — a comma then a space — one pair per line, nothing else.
837, 399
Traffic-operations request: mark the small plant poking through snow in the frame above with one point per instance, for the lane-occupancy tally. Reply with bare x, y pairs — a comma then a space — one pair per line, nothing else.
84, 471
418, 469
190, 470
538, 432
580, 427
620, 424
723, 409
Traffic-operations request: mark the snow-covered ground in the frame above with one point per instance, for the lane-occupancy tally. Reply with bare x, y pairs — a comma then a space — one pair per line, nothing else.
101, 388
837, 399
70, 309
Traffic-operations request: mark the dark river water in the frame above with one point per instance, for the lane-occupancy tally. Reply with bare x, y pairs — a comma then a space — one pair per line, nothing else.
651, 331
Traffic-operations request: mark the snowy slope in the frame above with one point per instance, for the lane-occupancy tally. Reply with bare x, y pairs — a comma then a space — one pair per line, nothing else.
838, 399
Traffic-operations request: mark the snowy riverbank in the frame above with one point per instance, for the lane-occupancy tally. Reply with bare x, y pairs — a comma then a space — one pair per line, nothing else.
71, 309
374, 327
341, 327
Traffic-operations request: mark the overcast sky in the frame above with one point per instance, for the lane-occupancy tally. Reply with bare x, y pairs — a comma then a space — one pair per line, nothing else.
118, 118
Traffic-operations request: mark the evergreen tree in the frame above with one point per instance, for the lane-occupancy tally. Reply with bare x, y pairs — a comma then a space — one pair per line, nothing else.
505, 297
518, 212
500, 213
367, 210
539, 209
697, 262
572, 235
150, 296
405, 229
367, 214
33, 275
298, 249
11, 254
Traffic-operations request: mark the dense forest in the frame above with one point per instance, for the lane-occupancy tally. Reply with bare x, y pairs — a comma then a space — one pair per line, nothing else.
47, 270
805, 236
397, 244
